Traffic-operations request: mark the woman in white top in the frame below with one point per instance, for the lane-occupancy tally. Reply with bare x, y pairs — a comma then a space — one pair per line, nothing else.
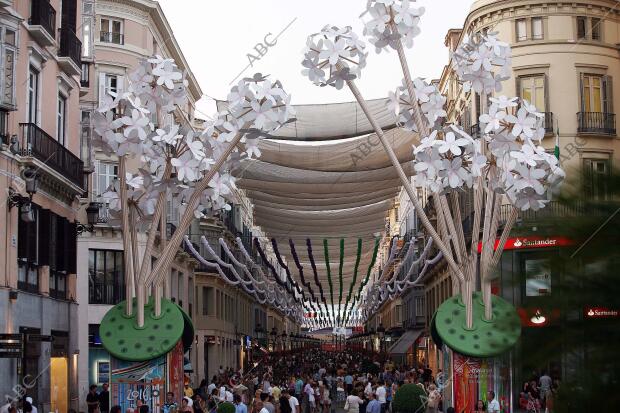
353, 403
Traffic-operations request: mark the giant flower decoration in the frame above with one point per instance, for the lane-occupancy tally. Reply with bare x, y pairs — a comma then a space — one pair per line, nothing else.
333, 56
140, 123
482, 62
391, 21
428, 97
515, 164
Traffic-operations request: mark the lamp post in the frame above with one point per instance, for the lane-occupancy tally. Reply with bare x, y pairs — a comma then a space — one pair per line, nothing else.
372, 339
274, 335
284, 337
258, 332
92, 216
381, 334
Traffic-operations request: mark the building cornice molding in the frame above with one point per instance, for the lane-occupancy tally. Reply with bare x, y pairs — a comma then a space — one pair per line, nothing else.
505, 10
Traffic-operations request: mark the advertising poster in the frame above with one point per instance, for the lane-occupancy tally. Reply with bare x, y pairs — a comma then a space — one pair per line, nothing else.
132, 381
176, 373
465, 378
473, 378
537, 277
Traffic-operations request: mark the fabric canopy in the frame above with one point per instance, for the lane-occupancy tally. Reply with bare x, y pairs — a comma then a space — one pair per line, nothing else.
331, 190
332, 121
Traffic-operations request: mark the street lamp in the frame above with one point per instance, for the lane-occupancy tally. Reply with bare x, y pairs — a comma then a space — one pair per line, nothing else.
258, 332
274, 335
284, 337
92, 216
381, 334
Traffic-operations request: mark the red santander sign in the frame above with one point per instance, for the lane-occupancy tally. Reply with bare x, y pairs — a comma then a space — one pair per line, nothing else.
531, 241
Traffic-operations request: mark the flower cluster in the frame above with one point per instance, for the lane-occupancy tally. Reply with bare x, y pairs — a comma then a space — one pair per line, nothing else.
482, 62
142, 123
448, 159
390, 22
514, 163
333, 56
429, 98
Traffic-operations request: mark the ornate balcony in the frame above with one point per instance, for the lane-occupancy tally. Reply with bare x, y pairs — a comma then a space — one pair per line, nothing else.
596, 122
42, 22
38, 144
69, 52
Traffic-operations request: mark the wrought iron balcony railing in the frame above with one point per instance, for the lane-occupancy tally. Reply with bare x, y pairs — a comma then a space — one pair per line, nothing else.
70, 46
112, 37
43, 14
37, 143
596, 122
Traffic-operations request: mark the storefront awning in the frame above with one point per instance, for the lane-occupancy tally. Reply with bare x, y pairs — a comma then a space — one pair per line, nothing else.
405, 341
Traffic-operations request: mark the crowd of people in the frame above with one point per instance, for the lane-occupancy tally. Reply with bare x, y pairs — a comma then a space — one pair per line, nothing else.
538, 393
312, 381
309, 381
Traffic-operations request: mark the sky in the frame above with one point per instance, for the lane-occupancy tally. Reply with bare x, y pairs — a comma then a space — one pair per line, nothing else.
216, 37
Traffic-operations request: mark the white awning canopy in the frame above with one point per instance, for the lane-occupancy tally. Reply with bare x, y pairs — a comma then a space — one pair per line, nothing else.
334, 189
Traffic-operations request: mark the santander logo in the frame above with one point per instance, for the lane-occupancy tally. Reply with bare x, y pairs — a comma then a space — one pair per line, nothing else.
517, 243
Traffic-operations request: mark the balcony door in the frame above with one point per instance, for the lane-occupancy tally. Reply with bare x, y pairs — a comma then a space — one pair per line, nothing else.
533, 89
596, 94
33, 96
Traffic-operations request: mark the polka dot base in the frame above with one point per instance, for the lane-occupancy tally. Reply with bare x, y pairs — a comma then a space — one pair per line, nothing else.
487, 338
122, 338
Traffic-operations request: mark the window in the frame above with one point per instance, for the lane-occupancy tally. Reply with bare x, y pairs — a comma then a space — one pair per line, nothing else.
111, 85
8, 51
532, 89
592, 93
581, 27
190, 296
106, 279
61, 119
521, 30
596, 174
105, 174
111, 31
596, 28
87, 22
33, 96
28, 253
537, 28
181, 291
207, 301
589, 28
85, 75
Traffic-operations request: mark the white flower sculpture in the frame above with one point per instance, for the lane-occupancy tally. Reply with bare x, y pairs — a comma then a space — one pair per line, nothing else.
515, 165
129, 124
482, 62
333, 56
390, 22
428, 97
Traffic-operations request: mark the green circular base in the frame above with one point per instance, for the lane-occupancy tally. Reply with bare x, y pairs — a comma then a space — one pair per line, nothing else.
122, 338
487, 338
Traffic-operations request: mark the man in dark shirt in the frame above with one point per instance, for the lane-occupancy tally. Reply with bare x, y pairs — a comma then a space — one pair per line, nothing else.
92, 399
104, 399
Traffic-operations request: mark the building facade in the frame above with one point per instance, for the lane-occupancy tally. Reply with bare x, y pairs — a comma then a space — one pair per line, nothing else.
565, 56
42, 180
116, 36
